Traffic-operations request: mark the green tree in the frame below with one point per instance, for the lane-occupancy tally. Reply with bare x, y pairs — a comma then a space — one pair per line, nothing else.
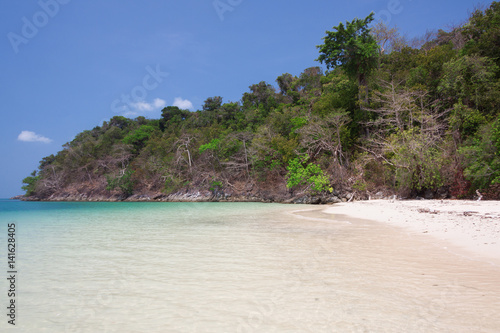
139, 137
120, 122
429, 67
482, 156
470, 79
172, 115
286, 83
263, 98
483, 32
351, 47
212, 103
30, 183
309, 82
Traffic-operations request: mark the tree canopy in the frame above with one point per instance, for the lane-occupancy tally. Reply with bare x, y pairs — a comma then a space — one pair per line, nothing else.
351, 47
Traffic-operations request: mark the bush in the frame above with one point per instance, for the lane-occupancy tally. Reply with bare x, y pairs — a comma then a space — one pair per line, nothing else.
124, 182
301, 173
482, 157
215, 187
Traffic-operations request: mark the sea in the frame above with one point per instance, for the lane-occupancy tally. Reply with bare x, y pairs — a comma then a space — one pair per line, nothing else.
230, 267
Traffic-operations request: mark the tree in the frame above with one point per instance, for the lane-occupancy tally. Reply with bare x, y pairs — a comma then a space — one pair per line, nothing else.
30, 182
285, 83
321, 135
309, 81
139, 137
483, 32
351, 47
482, 156
388, 38
263, 95
407, 135
183, 146
212, 103
172, 114
120, 122
470, 79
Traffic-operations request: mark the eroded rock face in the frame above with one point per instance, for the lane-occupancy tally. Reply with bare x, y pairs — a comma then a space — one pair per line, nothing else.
253, 194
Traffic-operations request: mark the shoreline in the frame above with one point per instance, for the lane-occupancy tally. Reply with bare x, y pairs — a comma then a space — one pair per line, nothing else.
195, 196
471, 228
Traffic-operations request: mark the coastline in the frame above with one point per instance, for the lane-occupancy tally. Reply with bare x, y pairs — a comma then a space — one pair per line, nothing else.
471, 228
197, 196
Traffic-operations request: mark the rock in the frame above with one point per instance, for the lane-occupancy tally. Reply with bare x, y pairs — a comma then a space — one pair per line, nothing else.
315, 200
443, 192
331, 200
377, 196
429, 194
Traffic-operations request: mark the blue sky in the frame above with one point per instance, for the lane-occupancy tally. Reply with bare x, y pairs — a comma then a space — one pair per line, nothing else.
68, 65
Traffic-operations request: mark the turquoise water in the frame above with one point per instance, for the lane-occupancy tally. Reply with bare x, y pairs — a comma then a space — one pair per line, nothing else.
232, 267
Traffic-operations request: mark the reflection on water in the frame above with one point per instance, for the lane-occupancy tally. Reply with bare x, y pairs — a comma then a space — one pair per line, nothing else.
214, 267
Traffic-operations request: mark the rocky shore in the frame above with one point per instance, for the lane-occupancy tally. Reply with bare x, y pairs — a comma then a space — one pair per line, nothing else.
207, 196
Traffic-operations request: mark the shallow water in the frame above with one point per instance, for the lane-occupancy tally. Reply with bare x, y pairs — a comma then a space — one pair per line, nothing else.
235, 267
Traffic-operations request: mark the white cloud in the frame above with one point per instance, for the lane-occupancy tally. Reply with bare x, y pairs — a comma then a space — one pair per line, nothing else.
159, 103
28, 136
183, 103
142, 106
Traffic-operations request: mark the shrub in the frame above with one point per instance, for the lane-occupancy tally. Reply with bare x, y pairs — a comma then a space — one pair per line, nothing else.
301, 173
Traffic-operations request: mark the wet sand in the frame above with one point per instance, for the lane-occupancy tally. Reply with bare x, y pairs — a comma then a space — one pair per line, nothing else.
402, 270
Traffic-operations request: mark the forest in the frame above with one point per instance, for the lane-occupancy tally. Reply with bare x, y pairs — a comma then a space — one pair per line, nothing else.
388, 116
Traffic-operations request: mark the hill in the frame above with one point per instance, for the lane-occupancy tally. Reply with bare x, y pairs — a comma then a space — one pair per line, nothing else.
389, 116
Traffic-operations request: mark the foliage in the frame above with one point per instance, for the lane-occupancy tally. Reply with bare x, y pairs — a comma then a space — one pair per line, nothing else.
212, 103
464, 122
469, 79
139, 137
172, 184
30, 183
482, 156
298, 123
352, 47
172, 115
483, 32
302, 173
212, 145
215, 187
417, 164
124, 182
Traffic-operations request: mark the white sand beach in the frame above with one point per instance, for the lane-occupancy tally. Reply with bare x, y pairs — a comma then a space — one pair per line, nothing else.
469, 227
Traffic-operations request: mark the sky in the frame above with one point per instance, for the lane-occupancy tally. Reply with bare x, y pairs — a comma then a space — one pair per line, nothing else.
68, 65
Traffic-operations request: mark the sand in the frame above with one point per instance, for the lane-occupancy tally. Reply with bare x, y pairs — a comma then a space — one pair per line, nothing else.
468, 228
